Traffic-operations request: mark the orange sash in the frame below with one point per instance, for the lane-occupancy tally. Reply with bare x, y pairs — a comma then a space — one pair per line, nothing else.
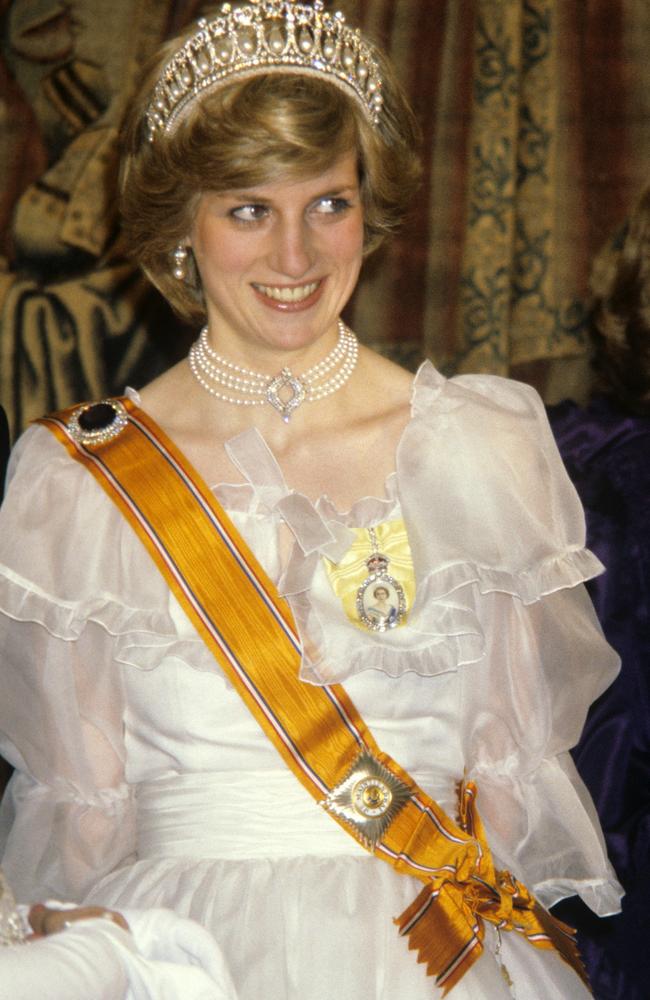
316, 729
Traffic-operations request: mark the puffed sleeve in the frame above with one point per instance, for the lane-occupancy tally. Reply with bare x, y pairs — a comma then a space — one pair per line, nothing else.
497, 528
487, 498
67, 816
521, 712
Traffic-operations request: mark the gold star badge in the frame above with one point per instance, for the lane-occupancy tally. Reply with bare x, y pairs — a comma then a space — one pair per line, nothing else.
369, 798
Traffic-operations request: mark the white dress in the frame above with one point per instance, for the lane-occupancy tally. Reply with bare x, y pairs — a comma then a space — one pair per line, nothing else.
144, 781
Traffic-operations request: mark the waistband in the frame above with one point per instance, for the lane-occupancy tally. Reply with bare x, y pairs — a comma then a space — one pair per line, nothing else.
236, 815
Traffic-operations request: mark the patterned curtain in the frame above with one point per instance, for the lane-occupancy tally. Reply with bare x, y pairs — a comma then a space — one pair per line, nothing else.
518, 299
536, 140
76, 321
536, 132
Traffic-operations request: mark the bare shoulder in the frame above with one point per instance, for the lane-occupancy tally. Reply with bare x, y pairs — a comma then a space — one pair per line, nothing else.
157, 389
386, 387
385, 369
376, 407
165, 399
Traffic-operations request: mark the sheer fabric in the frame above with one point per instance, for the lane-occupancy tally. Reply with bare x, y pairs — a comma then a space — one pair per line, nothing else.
130, 744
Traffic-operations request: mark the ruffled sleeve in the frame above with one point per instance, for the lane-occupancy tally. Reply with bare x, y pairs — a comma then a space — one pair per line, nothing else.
67, 817
494, 520
488, 507
521, 710
484, 491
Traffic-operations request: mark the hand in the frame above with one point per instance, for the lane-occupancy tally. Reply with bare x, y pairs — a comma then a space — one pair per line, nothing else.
46, 920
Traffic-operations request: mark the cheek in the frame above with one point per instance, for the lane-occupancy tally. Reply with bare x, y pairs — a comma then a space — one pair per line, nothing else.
218, 254
347, 242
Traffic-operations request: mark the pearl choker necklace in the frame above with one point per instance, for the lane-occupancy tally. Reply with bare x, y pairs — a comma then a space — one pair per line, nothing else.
244, 387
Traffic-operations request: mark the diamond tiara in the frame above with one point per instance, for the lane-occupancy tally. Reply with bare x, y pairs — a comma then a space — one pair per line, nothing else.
265, 36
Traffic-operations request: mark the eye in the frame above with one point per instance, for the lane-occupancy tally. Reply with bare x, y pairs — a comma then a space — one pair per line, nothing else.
249, 213
331, 205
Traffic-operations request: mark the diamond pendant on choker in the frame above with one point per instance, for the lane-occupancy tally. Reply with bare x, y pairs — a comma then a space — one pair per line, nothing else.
285, 392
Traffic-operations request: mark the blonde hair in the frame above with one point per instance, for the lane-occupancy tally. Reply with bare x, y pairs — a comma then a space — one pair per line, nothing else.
253, 132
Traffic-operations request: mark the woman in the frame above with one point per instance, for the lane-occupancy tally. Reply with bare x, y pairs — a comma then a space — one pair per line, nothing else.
382, 611
185, 692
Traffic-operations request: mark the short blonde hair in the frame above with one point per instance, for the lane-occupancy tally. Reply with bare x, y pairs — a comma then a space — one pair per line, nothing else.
253, 132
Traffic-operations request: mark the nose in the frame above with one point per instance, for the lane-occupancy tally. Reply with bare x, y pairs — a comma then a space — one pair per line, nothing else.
292, 252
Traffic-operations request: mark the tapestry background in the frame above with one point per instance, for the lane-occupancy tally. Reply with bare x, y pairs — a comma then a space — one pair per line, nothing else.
536, 131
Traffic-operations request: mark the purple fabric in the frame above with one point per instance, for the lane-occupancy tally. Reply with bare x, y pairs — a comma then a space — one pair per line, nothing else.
607, 454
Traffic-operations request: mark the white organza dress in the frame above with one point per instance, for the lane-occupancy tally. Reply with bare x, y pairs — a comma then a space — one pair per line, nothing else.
143, 781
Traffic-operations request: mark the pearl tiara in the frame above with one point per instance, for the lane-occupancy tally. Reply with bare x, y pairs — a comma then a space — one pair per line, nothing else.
265, 36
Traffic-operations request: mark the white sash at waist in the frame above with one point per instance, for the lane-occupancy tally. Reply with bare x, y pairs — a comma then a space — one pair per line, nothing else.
236, 815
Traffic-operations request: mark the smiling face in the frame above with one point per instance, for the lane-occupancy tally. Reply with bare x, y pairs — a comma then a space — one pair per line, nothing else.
279, 261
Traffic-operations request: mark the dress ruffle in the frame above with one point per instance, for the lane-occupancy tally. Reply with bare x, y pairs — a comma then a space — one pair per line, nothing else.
22, 602
531, 551
108, 567
502, 602
444, 631
535, 545
141, 635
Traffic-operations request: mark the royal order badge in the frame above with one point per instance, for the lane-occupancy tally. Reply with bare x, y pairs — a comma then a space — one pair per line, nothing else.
369, 799
381, 602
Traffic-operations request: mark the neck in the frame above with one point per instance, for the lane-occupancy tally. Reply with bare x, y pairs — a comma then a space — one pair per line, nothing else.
285, 391
269, 359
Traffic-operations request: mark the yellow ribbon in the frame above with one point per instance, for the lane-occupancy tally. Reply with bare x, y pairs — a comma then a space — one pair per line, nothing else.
351, 570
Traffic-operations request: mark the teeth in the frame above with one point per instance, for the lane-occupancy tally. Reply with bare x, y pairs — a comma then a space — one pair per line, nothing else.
288, 294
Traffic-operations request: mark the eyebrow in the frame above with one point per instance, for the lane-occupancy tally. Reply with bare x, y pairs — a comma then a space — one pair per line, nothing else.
252, 196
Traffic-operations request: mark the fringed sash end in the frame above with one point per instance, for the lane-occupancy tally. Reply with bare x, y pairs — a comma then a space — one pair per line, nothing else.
437, 930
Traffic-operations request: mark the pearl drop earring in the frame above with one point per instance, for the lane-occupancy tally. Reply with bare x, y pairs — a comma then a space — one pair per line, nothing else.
180, 262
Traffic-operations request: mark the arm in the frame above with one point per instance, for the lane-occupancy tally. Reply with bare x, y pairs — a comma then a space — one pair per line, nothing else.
67, 817
75, 965
497, 532
545, 661
523, 707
